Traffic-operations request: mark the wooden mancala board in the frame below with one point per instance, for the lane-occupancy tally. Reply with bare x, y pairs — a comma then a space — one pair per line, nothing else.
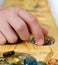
41, 10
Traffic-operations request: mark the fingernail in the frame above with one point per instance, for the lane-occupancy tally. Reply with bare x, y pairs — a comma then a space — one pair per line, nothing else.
40, 42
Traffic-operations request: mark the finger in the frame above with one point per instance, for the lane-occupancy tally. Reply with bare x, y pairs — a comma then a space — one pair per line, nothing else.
45, 31
19, 26
2, 39
8, 32
33, 24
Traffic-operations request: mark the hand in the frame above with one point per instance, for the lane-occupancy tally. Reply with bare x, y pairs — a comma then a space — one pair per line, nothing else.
17, 18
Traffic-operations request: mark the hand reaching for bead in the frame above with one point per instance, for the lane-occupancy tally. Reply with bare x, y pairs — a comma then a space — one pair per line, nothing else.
15, 21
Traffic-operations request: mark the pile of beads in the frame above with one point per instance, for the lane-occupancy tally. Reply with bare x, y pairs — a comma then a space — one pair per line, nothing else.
47, 40
12, 58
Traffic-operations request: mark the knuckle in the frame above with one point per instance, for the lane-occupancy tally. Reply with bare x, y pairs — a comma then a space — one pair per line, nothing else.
33, 19
17, 28
20, 28
26, 37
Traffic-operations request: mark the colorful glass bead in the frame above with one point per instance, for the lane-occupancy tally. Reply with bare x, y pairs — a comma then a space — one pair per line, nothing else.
21, 62
13, 60
22, 56
53, 62
41, 63
8, 54
2, 59
5, 63
52, 41
48, 40
31, 40
30, 61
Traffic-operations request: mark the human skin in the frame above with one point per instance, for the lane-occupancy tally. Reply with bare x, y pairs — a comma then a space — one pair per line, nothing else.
18, 19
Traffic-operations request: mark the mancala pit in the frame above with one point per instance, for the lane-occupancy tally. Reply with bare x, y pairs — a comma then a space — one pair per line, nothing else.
47, 40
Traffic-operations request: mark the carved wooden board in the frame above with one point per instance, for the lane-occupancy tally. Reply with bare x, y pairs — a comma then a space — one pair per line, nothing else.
41, 10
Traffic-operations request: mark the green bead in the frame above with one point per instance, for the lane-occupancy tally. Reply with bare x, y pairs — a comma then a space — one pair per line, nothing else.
41, 63
13, 60
21, 62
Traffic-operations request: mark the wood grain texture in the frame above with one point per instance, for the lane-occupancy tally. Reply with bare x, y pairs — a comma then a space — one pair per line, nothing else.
46, 20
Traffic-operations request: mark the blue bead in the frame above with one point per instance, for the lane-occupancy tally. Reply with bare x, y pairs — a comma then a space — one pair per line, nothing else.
41, 63
30, 61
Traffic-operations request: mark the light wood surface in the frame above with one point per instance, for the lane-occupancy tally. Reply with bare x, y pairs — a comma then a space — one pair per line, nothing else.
46, 20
